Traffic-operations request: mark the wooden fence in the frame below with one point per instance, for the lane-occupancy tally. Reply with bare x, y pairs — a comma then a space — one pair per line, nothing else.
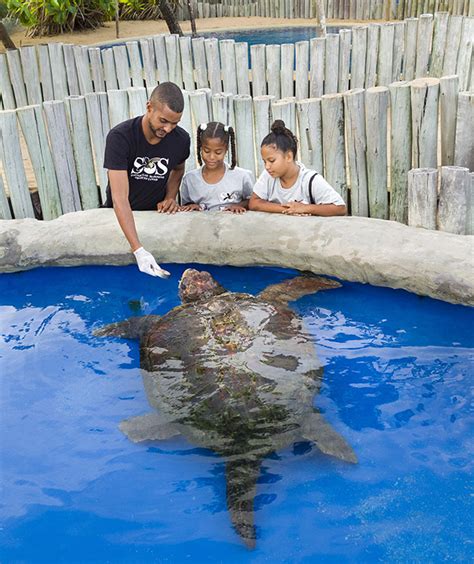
362, 57
334, 9
363, 141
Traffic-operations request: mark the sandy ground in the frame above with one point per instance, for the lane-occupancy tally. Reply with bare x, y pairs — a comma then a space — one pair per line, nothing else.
137, 29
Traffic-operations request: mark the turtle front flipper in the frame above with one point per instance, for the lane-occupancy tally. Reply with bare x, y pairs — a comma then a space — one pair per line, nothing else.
131, 328
150, 427
295, 288
329, 441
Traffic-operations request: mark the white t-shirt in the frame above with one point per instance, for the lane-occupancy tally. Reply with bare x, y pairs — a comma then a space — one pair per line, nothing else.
236, 185
270, 189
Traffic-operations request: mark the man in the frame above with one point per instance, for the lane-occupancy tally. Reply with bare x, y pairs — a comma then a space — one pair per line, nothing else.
145, 159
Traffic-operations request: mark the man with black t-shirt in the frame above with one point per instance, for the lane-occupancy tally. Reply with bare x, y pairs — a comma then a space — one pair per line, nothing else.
145, 160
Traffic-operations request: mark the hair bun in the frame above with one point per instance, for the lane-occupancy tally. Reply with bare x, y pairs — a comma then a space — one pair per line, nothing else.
278, 127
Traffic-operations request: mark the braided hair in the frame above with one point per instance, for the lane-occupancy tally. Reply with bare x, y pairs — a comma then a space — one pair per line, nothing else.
283, 139
216, 130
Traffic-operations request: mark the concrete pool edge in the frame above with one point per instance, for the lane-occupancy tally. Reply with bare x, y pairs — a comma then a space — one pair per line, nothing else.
377, 252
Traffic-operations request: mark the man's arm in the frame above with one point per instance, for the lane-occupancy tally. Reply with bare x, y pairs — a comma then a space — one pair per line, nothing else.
119, 189
169, 204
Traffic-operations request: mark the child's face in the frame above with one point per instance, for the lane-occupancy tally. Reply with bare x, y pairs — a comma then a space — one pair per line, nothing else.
213, 152
277, 163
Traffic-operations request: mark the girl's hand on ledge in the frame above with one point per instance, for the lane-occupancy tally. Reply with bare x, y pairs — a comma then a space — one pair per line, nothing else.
190, 207
295, 208
235, 208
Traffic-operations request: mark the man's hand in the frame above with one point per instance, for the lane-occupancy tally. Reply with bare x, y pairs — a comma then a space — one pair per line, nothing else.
147, 264
235, 208
168, 205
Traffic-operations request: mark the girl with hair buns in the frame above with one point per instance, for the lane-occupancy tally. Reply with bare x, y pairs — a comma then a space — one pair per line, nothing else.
216, 185
286, 185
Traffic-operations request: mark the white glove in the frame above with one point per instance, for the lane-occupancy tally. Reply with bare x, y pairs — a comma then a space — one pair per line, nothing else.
147, 264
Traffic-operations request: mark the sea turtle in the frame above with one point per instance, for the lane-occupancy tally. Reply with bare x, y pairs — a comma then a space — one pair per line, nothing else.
235, 373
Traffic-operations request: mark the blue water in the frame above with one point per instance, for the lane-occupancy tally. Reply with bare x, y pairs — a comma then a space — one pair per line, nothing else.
75, 489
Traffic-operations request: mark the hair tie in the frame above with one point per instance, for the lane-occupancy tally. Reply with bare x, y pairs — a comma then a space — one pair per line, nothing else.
226, 128
203, 126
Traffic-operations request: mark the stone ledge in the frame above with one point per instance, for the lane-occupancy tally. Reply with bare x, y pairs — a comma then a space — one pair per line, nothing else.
382, 253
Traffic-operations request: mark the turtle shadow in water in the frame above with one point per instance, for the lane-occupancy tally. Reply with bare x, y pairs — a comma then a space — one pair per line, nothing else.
233, 373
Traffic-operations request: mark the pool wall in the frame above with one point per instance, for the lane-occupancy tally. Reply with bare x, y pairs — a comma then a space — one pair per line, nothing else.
377, 252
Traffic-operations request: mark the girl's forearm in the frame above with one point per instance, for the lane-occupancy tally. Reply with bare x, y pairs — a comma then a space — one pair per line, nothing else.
326, 210
265, 206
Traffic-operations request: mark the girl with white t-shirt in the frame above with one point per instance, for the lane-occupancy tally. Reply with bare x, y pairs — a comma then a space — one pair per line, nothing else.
216, 185
286, 185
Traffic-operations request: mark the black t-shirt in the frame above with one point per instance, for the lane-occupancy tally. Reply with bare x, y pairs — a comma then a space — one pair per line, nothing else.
148, 166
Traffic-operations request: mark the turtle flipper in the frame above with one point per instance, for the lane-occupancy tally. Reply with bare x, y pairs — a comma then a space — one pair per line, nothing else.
329, 441
131, 328
295, 288
150, 427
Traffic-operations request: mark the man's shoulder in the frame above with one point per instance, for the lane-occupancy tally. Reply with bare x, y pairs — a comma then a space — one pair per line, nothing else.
181, 134
126, 126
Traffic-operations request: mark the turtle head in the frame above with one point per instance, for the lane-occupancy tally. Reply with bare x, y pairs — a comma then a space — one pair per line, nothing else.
196, 286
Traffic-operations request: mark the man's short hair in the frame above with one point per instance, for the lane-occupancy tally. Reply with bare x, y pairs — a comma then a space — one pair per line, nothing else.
170, 94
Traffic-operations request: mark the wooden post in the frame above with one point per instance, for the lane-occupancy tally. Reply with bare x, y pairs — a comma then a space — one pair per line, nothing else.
136, 63
422, 197
223, 108
333, 142
310, 133
263, 119
331, 64
258, 64
83, 67
376, 115
398, 50
58, 70
285, 109
400, 149
99, 126
118, 106
424, 34
62, 153
273, 69
228, 67
137, 98
186, 123
465, 64
109, 69
424, 108
302, 70
13, 167
411, 30
34, 131
199, 108
71, 71
242, 68
83, 153
161, 58
5, 212
345, 38
359, 53
439, 43
31, 75
449, 91
464, 144
6, 89
46, 76
287, 70
16, 77
354, 111
385, 59
148, 56
454, 198
318, 55
121, 66
174, 59
452, 45
470, 207
244, 132
187, 62
213, 64
200, 65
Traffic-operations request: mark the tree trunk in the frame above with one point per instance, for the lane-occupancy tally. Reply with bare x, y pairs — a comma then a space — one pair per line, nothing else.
5, 37
192, 17
170, 17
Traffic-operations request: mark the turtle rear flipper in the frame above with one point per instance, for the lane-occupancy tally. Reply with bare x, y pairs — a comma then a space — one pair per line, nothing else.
329, 441
295, 288
150, 427
131, 328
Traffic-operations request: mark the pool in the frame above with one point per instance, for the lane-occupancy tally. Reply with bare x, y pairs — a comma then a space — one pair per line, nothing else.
396, 386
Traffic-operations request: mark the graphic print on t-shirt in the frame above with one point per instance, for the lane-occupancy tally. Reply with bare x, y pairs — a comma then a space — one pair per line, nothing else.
231, 196
152, 169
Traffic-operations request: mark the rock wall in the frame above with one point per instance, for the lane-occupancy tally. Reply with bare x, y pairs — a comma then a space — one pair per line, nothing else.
378, 252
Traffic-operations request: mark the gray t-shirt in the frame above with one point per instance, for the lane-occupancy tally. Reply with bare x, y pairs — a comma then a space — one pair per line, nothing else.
236, 185
270, 189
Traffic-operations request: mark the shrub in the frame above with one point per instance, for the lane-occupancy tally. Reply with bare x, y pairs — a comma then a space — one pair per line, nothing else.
50, 17
142, 9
